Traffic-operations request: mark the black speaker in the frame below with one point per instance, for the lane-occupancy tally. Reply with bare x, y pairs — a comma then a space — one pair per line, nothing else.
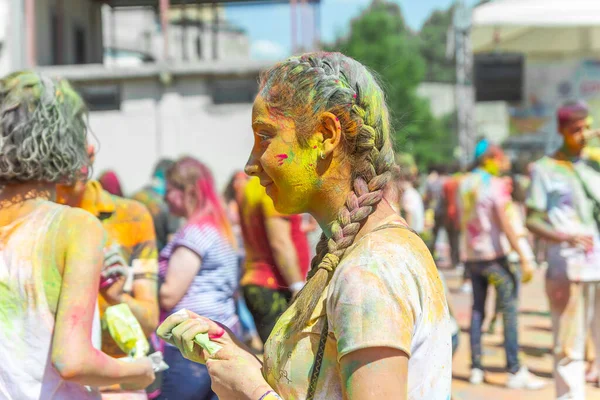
498, 76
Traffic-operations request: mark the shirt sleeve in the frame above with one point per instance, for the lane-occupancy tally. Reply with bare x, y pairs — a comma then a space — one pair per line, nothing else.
369, 306
198, 239
537, 193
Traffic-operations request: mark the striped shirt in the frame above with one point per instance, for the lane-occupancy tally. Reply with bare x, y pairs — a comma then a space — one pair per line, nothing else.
211, 292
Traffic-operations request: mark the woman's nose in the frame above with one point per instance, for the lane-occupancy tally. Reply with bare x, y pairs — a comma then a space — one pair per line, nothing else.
252, 166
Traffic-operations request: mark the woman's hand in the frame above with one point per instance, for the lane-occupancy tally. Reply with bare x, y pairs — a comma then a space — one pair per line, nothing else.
234, 371
181, 328
236, 374
527, 270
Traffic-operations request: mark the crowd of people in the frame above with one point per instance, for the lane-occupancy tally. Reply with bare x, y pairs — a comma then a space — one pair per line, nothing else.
368, 316
501, 222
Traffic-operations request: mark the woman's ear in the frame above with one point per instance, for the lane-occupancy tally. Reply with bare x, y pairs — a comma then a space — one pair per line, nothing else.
330, 130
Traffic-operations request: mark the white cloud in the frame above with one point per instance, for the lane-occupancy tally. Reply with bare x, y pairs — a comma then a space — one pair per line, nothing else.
267, 50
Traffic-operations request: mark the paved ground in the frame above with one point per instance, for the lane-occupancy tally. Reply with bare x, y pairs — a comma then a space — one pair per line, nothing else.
535, 340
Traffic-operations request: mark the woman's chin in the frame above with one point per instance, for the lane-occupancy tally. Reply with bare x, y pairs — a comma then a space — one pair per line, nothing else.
285, 204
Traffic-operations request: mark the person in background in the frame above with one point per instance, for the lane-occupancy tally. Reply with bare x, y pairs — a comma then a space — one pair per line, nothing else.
130, 251
563, 203
411, 202
111, 183
516, 215
233, 196
433, 199
51, 254
277, 257
591, 152
153, 197
452, 224
198, 269
483, 199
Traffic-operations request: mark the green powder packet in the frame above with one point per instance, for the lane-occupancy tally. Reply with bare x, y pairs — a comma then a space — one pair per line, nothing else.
203, 341
126, 330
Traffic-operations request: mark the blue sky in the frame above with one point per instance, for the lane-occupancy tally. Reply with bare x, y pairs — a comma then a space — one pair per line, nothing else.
268, 26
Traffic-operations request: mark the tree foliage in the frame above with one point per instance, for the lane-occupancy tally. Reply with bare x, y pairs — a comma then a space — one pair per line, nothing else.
432, 45
379, 39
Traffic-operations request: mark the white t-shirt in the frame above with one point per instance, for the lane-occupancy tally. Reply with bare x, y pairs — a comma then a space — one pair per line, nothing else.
413, 203
386, 292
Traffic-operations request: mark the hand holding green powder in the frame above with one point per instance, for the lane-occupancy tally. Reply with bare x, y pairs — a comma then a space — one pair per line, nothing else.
202, 339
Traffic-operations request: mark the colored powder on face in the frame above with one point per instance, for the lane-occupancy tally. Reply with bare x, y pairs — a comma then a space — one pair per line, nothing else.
281, 158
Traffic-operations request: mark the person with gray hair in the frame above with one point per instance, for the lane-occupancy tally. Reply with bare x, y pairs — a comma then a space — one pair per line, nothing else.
51, 254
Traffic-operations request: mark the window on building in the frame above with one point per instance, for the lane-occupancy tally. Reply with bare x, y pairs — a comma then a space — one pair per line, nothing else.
55, 38
80, 45
101, 97
234, 91
199, 47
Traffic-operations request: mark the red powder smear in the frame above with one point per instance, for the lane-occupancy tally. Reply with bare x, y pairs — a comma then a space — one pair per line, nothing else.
216, 335
281, 158
314, 147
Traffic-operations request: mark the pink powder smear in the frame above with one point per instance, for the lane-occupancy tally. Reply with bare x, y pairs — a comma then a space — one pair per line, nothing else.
281, 158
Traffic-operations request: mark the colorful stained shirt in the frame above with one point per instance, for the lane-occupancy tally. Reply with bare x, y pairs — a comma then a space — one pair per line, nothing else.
479, 193
450, 196
557, 191
260, 267
30, 284
386, 292
131, 231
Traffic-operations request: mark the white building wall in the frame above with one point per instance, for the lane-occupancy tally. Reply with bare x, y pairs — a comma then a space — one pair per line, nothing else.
181, 121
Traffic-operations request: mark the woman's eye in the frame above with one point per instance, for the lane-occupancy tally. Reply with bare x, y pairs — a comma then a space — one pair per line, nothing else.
263, 137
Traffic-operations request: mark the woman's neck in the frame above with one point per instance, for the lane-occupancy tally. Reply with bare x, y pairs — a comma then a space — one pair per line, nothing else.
330, 203
327, 205
12, 194
17, 200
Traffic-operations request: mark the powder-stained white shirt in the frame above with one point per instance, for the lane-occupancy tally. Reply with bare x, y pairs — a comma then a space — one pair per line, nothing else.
385, 292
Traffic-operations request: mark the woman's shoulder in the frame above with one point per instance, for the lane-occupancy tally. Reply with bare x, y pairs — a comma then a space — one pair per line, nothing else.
392, 253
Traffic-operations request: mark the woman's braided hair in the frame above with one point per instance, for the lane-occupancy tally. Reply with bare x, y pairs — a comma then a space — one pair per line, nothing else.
43, 129
302, 88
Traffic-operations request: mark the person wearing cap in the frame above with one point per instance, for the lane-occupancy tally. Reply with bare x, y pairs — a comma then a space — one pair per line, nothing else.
563, 204
487, 239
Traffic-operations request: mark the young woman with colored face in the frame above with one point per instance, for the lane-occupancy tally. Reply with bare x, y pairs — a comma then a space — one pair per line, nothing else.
51, 254
372, 320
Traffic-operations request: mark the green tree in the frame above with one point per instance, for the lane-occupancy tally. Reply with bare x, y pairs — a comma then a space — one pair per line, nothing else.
432, 45
379, 39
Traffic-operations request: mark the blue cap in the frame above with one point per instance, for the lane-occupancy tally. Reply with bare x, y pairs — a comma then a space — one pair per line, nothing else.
481, 148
